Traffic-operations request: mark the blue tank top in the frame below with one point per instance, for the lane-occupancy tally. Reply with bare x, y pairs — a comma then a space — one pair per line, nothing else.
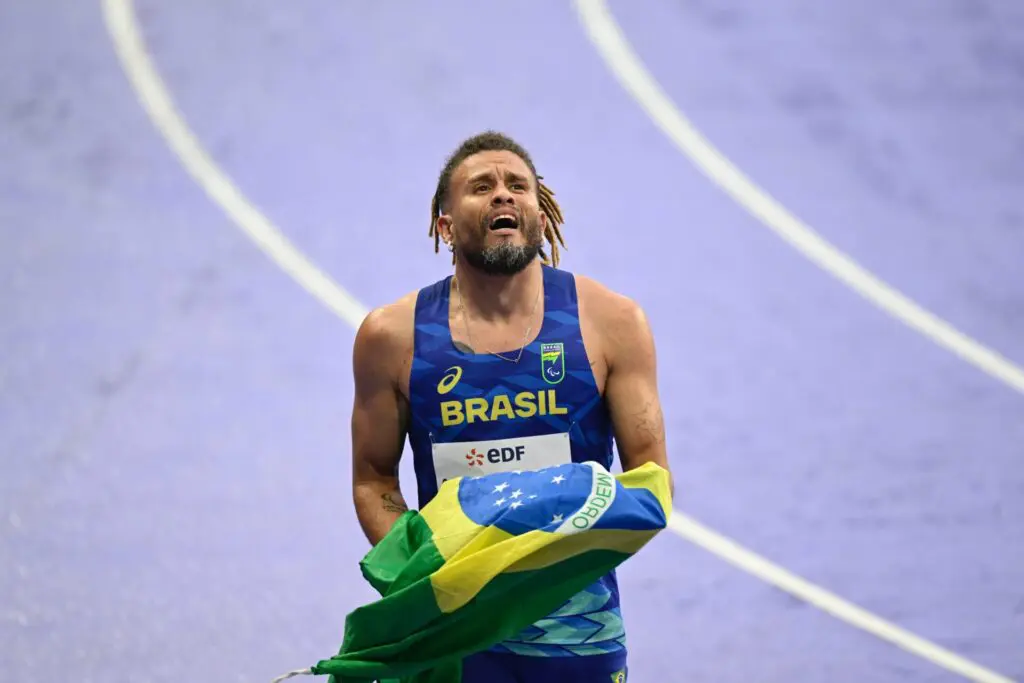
474, 414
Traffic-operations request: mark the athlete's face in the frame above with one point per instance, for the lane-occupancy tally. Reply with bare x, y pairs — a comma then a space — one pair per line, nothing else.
494, 217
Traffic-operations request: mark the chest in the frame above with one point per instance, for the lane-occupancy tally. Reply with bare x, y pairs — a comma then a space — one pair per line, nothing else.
548, 356
479, 414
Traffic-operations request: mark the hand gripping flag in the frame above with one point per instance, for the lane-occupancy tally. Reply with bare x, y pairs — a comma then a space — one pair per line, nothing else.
485, 559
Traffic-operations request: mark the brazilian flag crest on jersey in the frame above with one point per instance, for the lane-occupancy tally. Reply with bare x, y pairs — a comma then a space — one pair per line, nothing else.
552, 362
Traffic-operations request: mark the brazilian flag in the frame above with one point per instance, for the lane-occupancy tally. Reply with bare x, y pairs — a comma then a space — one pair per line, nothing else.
486, 558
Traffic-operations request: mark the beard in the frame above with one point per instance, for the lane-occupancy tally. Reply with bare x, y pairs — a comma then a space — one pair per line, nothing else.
502, 259
505, 258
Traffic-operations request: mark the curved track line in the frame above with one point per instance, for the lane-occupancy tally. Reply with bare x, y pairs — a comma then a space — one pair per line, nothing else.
830, 603
613, 47
156, 100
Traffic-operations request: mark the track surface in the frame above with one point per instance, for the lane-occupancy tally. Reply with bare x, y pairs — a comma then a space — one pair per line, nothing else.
174, 409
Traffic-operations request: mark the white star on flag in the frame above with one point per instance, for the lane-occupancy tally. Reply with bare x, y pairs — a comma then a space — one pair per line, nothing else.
505, 501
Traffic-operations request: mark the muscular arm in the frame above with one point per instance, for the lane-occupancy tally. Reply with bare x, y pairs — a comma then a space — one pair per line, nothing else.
379, 420
631, 388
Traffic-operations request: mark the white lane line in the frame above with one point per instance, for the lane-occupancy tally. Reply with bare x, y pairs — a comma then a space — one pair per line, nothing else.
156, 100
828, 602
612, 45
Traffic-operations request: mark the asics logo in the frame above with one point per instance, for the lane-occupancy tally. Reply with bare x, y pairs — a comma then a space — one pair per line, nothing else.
451, 378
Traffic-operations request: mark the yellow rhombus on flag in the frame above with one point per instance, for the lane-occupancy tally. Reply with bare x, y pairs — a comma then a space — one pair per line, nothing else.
465, 573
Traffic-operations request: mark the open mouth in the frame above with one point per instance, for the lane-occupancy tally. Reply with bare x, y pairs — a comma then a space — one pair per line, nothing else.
504, 222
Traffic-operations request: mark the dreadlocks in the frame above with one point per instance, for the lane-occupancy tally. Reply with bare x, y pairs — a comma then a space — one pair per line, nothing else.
491, 141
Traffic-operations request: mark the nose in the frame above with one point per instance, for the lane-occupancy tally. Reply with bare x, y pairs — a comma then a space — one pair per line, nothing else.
502, 196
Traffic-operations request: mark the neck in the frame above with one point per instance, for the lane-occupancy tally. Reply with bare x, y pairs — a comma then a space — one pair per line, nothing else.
496, 297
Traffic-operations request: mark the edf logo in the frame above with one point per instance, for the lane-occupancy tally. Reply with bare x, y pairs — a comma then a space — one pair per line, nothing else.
503, 454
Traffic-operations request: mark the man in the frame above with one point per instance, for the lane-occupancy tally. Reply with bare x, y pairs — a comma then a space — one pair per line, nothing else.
509, 364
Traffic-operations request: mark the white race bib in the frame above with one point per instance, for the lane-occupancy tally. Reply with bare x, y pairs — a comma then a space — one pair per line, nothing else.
477, 458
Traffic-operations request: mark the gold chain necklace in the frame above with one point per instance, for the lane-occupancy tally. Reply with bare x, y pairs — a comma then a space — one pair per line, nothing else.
465, 321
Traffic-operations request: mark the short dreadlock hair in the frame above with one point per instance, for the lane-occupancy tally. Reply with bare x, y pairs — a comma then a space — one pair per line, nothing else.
492, 141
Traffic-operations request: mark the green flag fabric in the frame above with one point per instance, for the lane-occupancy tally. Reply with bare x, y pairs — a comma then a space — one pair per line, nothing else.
486, 558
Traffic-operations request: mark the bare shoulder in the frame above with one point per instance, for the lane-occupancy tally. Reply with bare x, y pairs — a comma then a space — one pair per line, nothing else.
620, 319
384, 340
390, 323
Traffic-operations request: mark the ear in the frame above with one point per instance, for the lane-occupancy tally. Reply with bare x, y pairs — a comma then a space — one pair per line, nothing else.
444, 228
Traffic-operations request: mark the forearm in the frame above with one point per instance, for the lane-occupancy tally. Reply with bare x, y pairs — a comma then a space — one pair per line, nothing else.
378, 505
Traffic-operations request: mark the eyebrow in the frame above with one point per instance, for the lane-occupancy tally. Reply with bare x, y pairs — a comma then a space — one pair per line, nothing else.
489, 175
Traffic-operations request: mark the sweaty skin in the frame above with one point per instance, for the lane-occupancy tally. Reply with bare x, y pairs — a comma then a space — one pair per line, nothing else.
618, 341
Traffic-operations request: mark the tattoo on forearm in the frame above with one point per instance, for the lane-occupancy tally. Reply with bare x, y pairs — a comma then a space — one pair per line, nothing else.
650, 422
393, 503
